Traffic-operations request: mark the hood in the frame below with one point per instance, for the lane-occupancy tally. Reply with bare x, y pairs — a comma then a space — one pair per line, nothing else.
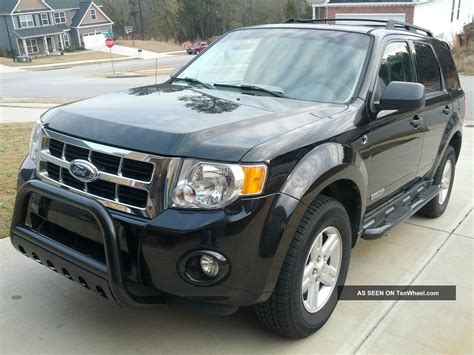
172, 120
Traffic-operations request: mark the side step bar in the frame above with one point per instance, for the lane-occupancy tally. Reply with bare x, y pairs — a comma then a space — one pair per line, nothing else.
377, 223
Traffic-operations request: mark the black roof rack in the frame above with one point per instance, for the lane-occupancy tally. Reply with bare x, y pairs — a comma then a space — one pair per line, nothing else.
389, 24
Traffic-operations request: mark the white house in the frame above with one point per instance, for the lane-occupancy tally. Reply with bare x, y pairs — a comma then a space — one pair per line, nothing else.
445, 18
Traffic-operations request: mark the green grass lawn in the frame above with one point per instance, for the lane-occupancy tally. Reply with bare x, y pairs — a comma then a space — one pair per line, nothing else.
60, 59
14, 140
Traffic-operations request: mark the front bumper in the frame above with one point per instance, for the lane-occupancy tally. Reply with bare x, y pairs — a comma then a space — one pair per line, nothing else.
141, 259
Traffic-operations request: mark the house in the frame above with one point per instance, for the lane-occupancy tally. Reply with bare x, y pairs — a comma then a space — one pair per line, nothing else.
43, 27
445, 18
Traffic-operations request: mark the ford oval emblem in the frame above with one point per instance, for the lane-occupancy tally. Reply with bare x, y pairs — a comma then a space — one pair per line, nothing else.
83, 170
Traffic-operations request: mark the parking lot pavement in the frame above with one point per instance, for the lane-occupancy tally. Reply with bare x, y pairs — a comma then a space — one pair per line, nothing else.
41, 311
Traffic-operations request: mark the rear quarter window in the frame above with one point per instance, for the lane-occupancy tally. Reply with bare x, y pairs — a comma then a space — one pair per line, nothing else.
448, 67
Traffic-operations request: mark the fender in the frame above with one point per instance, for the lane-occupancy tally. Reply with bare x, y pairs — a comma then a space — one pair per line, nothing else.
322, 166
325, 164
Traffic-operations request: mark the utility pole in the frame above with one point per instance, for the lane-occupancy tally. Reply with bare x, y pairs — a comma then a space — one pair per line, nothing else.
141, 19
9, 38
224, 17
134, 13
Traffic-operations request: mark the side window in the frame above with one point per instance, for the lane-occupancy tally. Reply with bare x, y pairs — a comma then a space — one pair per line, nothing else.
448, 67
395, 66
427, 66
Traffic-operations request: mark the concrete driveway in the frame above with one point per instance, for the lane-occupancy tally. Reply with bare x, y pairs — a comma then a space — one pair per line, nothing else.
42, 312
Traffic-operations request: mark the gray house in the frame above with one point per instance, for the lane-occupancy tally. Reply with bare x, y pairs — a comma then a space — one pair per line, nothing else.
43, 27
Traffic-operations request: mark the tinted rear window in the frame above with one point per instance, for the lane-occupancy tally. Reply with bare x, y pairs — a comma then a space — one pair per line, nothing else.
447, 66
428, 70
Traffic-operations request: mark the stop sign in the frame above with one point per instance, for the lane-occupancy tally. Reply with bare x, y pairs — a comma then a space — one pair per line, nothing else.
109, 42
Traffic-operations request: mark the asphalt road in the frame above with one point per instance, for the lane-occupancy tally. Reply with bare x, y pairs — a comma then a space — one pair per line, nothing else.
82, 81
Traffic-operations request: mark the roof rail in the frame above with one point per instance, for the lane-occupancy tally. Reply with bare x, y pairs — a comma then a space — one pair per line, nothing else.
389, 24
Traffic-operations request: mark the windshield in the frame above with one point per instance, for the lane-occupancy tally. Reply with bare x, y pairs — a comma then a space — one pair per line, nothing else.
314, 65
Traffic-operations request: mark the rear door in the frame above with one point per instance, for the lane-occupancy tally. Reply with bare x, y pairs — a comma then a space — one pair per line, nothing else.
397, 137
438, 108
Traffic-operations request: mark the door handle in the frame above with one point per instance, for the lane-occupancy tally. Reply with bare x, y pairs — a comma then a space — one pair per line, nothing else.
416, 121
446, 110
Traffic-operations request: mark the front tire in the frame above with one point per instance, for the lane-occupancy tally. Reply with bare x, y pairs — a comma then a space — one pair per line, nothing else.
444, 177
317, 261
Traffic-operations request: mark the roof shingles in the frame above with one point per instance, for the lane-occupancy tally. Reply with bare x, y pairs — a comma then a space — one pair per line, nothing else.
7, 6
83, 6
40, 31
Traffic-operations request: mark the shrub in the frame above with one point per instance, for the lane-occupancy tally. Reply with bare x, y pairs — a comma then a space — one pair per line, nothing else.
74, 48
2, 52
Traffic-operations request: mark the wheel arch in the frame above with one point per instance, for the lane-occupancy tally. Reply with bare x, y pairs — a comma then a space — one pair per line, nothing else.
334, 170
347, 193
456, 143
330, 168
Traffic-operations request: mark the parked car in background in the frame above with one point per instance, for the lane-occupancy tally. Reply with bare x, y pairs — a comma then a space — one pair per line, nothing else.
197, 47
247, 178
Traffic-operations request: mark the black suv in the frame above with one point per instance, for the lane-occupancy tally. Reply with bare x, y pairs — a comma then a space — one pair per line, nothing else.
246, 178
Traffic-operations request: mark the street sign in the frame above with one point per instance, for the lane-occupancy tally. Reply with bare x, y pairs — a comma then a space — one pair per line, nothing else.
109, 42
128, 29
107, 34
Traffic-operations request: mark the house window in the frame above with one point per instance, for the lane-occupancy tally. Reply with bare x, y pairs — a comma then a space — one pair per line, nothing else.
32, 46
452, 10
60, 17
44, 20
93, 14
26, 21
67, 41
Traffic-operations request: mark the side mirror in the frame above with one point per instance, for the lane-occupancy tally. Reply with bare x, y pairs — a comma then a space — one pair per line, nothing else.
402, 95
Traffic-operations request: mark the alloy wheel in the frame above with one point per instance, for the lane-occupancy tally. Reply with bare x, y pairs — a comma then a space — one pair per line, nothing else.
321, 270
445, 181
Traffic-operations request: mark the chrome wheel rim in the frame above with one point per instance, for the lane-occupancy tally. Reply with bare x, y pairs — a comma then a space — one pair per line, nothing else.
321, 269
445, 181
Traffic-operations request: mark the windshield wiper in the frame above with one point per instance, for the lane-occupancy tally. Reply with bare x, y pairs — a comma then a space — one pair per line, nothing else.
194, 81
249, 87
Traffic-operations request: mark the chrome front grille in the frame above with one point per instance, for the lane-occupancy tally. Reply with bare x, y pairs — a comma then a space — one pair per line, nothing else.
128, 181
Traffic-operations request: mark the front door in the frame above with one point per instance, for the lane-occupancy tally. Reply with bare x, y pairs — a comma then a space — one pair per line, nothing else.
51, 47
397, 137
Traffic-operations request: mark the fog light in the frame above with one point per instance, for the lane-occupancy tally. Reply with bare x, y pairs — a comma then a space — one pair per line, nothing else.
209, 265
203, 267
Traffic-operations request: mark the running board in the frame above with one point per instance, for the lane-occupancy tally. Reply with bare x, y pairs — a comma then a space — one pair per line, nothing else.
400, 208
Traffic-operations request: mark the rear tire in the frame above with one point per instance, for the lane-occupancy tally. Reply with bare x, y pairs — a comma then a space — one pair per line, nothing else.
444, 176
306, 292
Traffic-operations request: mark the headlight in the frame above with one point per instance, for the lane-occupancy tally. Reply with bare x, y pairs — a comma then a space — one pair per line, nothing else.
35, 140
214, 185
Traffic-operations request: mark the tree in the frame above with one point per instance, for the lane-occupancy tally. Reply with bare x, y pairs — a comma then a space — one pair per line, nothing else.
183, 20
291, 9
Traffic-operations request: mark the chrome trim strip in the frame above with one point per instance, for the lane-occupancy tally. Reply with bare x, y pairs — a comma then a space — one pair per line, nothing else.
159, 188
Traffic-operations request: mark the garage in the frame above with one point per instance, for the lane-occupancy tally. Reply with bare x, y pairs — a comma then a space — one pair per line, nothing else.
93, 39
370, 16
